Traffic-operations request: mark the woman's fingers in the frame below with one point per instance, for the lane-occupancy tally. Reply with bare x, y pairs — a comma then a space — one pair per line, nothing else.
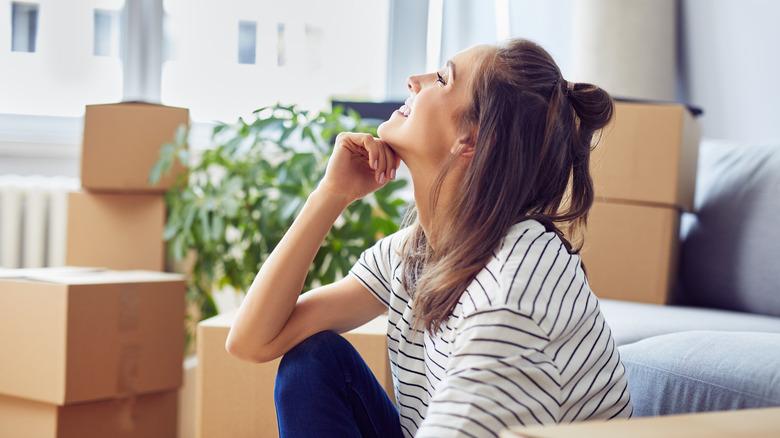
378, 153
381, 159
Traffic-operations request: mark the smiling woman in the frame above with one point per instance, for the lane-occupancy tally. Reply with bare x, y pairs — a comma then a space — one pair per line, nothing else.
491, 322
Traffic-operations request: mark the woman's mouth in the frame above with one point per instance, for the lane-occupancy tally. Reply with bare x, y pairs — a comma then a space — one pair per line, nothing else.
406, 108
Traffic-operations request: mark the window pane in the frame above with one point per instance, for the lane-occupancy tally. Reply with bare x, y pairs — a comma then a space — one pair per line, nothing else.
280, 47
64, 75
305, 52
24, 25
106, 40
247, 42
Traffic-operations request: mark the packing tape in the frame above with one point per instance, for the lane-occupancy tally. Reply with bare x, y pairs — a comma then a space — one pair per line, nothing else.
128, 317
127, 417
129, 362
129, 307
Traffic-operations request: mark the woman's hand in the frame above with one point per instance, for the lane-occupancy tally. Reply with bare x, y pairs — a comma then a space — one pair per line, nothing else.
360, 164
274, 316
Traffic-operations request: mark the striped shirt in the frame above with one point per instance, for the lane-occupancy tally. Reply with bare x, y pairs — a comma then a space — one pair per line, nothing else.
526, 343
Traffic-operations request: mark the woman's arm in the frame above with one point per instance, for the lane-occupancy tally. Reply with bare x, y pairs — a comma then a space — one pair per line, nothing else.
274, 317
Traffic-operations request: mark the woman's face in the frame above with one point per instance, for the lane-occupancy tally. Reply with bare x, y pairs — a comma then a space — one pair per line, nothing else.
425, 129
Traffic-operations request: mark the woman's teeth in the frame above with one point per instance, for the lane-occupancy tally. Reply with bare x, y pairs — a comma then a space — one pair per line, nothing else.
406, 108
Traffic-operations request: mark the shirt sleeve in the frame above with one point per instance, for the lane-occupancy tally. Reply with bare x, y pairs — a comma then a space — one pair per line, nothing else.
498, 376
374, 268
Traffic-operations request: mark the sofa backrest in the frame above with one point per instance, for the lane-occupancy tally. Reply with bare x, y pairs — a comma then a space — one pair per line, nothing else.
730, 254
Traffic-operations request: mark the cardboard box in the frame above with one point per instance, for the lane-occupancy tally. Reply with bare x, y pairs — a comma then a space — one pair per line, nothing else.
122, 143
187, 397
235, 398
143, 416
116, 230
648, 153
727, 424
76, 335
631, 251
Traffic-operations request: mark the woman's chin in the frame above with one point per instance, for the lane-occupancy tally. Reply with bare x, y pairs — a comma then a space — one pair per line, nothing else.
386, 127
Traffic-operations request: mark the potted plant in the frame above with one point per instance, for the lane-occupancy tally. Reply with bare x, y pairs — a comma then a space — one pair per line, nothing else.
235, 204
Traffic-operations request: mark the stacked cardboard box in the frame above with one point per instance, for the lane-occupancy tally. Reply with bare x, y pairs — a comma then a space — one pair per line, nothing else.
90, 353
117, 221
644, 174
235, 398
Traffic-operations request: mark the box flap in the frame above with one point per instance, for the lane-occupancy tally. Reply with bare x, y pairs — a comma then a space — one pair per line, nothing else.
28, 273
84, 275
694, 110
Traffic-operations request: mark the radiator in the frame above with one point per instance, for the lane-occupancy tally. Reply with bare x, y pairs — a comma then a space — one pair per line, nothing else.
33, 220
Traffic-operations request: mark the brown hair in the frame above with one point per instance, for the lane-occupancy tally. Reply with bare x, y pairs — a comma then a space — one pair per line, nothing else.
531, 161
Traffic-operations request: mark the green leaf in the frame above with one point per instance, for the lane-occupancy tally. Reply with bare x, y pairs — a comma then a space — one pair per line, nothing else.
180, 138
156, 173
189, 212
184, 157
217, 227
291, 208
171, 228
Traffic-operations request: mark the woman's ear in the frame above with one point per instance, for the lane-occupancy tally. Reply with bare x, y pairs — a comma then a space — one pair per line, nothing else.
465, 145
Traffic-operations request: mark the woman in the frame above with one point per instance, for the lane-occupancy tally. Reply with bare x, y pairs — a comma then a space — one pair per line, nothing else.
491, 320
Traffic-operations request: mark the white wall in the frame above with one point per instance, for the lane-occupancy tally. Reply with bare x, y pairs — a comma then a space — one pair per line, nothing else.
728, 54
470, 22
730, 66
548, 23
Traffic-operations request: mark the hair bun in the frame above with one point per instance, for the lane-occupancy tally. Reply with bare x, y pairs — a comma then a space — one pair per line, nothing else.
593, 105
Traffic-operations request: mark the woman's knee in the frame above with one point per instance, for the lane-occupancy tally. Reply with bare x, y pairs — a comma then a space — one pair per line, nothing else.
314, 350
314, 361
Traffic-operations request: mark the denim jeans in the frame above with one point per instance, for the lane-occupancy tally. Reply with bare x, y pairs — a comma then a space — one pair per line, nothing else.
325, 389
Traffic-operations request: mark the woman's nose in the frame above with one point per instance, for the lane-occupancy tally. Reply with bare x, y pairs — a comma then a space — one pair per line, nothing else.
413, 83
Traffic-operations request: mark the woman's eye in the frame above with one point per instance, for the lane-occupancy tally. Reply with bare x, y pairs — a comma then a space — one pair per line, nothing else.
440, 78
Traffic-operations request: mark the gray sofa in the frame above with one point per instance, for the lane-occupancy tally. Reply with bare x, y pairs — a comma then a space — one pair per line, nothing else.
718, 346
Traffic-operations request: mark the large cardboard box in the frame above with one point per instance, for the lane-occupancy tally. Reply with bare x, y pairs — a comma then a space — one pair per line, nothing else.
75, 335
745, 423
142, 416
116, 230
235, 398
648, 153
122, 143
631, 251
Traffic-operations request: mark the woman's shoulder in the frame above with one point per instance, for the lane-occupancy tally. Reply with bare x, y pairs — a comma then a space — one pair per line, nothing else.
396, 239
389, 247
532, 263
520, 238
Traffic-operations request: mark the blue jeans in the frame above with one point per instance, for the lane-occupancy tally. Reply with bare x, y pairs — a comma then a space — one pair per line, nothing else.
325, 389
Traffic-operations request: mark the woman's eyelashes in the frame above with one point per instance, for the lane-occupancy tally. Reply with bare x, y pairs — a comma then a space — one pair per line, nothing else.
440, 79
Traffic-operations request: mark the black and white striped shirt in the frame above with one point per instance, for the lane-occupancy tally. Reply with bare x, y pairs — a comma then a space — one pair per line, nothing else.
526, 343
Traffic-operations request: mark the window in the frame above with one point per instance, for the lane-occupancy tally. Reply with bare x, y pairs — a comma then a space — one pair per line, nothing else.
106, 31
247, 42
254, 54
258, 53
314, 47
24, 27
64, 74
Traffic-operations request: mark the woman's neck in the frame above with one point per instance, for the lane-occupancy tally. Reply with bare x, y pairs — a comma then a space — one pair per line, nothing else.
433, 215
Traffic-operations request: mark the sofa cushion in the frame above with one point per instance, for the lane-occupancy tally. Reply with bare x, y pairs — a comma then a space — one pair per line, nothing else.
703, 371
631, 322
730, 246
